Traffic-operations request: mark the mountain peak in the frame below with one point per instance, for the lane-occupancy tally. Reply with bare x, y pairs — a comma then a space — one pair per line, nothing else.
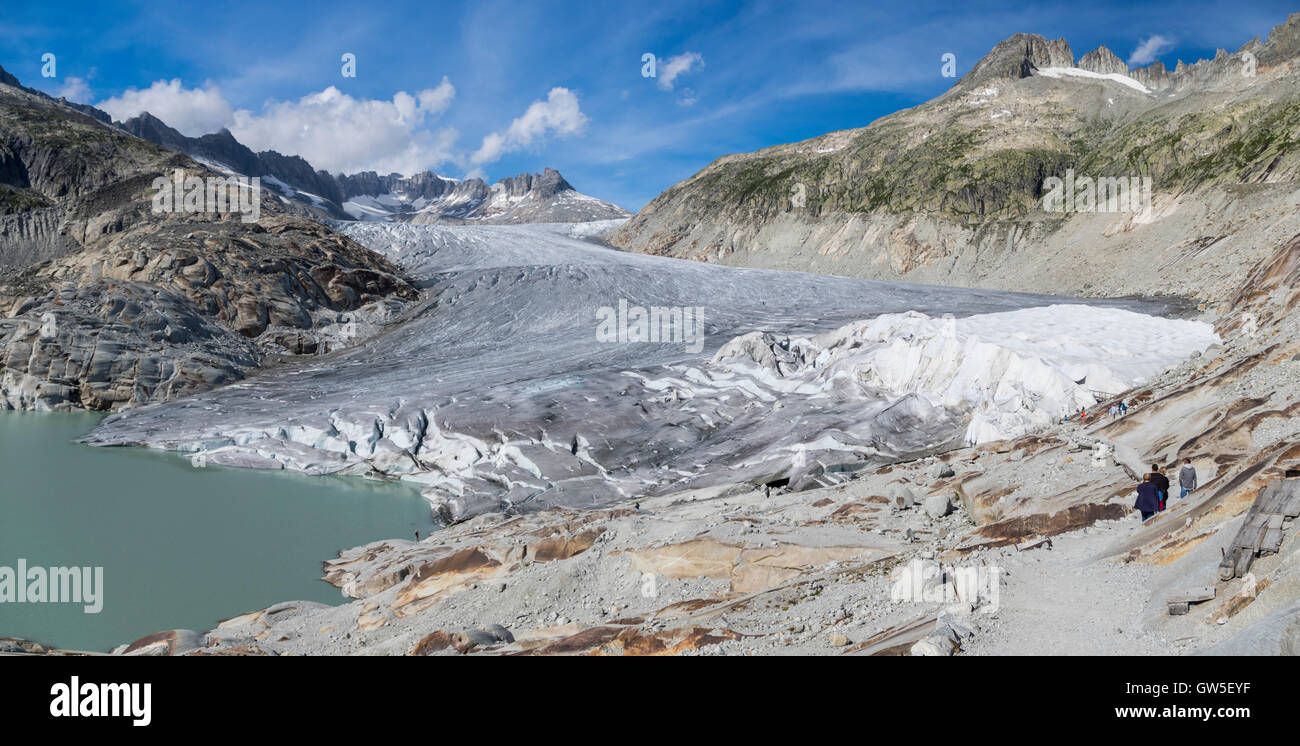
1103, 61
1017, 57
544, 185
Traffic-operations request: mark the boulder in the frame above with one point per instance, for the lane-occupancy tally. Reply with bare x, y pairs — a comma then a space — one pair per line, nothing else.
170, 642
901, 496
934, 645
466, 640
937, 506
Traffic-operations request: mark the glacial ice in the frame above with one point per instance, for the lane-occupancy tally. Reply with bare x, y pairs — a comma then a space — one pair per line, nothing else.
493, 393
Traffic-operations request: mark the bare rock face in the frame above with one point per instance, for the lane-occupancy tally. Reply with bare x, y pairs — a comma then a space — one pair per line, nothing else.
1154, 76
951, 191
168, 643
1103, 61
106, 305
1018, 57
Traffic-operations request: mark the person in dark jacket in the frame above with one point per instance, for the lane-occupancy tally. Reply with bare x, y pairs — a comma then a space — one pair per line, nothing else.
1187, 477
1161, 482
1148, 500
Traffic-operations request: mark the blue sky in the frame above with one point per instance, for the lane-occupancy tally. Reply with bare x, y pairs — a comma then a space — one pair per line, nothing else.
495, 88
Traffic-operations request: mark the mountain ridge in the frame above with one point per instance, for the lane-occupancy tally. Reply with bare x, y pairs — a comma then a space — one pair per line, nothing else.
423, 197
951, 191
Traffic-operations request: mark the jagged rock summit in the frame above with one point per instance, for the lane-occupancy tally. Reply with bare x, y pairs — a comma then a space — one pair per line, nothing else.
423, 197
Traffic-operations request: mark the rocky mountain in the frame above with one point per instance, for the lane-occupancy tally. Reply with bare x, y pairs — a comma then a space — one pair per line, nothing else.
109, 302
952, 191
421, 198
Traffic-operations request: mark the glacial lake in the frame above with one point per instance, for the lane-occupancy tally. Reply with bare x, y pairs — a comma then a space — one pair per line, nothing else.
182, 547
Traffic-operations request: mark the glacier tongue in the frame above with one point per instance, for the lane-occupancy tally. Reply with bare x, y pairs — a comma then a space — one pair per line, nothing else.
1014, 371
495, 390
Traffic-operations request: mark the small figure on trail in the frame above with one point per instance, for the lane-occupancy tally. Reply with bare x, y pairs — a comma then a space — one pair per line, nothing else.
1161, 482
1148, 499
1123, 407
1187, 478
1114, 411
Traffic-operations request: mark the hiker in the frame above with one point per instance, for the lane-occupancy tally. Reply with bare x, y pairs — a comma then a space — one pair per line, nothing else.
1161, 482
1187, 478
1123, 408
1148, 499
1113, 411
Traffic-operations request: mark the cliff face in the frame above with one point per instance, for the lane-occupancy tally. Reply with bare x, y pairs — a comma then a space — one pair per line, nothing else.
952, 190
107, 304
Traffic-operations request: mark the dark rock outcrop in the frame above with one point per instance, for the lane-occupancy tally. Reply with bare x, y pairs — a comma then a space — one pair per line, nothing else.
108, 305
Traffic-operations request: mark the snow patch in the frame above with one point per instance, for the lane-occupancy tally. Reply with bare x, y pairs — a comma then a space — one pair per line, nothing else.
1078, 72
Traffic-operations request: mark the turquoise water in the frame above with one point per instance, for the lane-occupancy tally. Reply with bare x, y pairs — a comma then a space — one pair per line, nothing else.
181, 547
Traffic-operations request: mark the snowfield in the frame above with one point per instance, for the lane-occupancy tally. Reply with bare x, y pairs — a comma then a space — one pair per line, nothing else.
1078, 72
494, 392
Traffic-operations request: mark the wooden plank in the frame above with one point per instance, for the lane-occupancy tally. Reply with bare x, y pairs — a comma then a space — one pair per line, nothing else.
1272, 541
1266, 497
1274, 522
1244, 560
1249, 537
1281, 493
1192, 595
1292, 508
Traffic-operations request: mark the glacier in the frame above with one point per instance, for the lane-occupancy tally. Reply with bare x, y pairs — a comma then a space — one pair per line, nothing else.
493, 392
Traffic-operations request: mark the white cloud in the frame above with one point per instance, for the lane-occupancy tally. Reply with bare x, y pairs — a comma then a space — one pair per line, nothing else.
1148, 50
340, 133
192, 111
331, 129
558, 115
74, 89
667, 73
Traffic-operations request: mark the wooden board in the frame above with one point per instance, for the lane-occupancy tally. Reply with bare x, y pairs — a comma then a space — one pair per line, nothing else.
1192, 595
1272, 541
1244, 560
1292, 507
1261, 531
1249, 537
1266, 497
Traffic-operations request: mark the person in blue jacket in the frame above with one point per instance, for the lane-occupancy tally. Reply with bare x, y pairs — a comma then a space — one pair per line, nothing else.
1148, 500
